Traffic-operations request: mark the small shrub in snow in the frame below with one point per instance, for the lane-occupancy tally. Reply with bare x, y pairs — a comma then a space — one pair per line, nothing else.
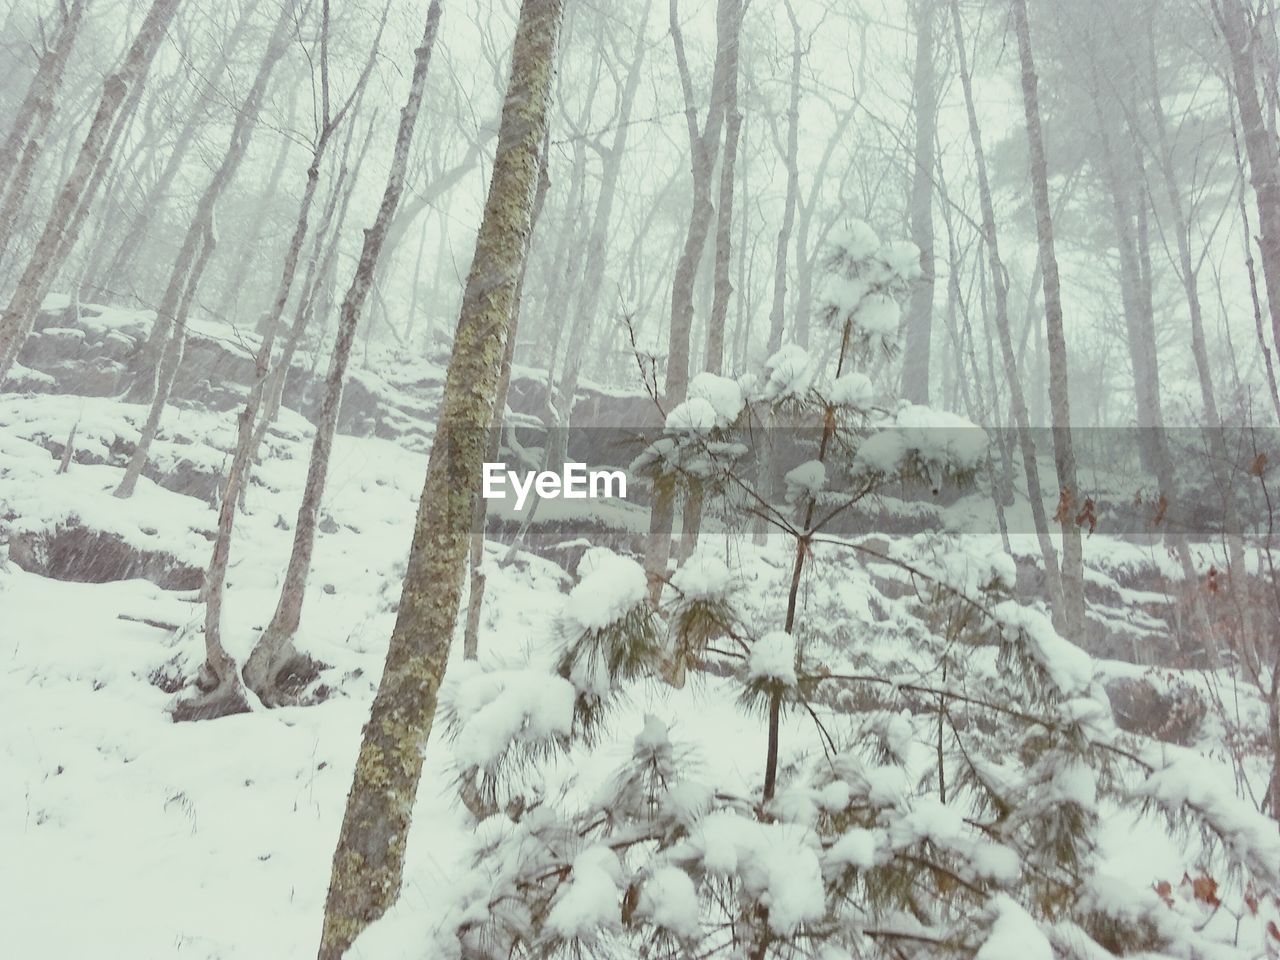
951, 809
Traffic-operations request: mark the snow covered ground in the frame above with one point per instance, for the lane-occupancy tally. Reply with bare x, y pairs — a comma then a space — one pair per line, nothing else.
128, 835
124, 834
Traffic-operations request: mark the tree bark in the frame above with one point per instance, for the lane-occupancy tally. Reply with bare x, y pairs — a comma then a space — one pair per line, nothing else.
919, 324
724, 243
275, 649
42, 267
1000, 287
703, 147
1073, 613
476, 591
369, 861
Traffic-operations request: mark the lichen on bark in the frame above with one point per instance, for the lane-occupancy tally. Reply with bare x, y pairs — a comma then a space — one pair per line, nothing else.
369, 860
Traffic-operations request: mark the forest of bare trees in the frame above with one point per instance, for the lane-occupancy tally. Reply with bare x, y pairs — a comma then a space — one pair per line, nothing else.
936, 341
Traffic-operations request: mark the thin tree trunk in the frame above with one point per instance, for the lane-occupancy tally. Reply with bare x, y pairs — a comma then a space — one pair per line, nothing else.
319, 268
703, 147
1260, 147
183, 272
368, 864
275, 648
919, 324
1072, 574
187, 273
1135, 300
1200, 352
777, 313
691, 521
167, 370
122, 262
475, 596
25, 143
233, 294
42, 267
215, 580
724, 228
597, 254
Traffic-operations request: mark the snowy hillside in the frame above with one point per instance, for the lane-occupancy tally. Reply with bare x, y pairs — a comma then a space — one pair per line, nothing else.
213, 839
702, 480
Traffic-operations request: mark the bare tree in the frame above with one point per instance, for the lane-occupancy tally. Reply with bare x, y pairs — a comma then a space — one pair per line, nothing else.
919, 324
1243, 39
221, 690
77, 189
790, 158
704, 145
320, 267
368, 863
1072, 572
168, 333
274, 651
691, 521
597, 248
1000, 287
152, 203
24, 145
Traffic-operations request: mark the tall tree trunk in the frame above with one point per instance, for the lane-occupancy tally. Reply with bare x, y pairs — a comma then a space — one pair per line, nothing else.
597, 254
476, 591
25, 143
274, 649
320, 266
1260, 146
919, 325
1073, 613
1200, 352
724, 242
777, 313
42, 267
1000, 289
368, 863
188, 270
1127, 209
691, 521
703, 147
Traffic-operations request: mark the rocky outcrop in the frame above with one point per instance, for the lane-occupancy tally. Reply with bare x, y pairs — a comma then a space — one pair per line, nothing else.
72, 551
88, 350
